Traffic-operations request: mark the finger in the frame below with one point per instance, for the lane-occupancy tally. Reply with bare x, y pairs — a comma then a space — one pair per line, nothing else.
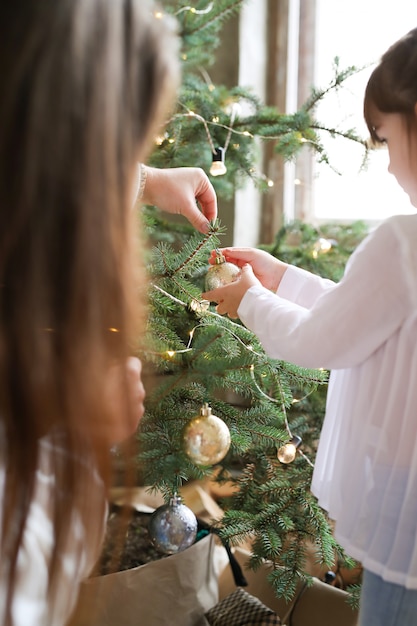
137, 390
237, 256
197, 219
213, 256
133, 365
247, 268
229, 256
207, 199
222, 309
247, 276
211, 296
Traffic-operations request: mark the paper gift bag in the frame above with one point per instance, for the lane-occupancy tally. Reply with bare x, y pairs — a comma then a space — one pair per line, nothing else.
318, 605
177, 589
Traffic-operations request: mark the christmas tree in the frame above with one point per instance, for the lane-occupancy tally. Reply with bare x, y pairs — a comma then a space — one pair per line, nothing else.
204, 362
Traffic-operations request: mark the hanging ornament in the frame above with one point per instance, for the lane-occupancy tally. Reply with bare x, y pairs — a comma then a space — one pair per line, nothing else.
199, 306
222, 273
218, 167
173, 526
206, 438
286, 453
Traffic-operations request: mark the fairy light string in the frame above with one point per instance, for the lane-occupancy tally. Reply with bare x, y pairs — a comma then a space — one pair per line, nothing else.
208, 8
300, 128
159, 14
188, 348
230, 128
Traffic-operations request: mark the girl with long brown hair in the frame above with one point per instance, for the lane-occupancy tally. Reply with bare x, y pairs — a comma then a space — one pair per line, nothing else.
85, 85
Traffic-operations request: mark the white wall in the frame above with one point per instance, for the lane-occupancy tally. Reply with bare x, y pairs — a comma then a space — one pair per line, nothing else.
252, 73
358, 32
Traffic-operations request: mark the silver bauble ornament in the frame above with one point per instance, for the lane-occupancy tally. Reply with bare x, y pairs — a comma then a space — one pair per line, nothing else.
222, 273
173, 527
206, 438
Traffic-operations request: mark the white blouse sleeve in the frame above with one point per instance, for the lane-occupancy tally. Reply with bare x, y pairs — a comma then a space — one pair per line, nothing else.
345, 322
302, 287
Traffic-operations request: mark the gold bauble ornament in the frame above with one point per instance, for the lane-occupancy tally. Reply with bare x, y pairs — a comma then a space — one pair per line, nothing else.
222, 273
206, 438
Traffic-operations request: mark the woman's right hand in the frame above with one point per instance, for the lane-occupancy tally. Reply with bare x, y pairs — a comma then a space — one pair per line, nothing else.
267, 269
177, 190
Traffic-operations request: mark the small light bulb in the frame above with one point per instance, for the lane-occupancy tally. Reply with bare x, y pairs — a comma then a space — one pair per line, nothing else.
286, 453
218, 168
321, 246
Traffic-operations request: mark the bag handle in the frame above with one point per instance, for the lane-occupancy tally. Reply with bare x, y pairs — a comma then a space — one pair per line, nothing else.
238, 576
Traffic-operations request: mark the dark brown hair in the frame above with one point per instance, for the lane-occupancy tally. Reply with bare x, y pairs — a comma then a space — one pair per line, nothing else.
392, 86
84, 84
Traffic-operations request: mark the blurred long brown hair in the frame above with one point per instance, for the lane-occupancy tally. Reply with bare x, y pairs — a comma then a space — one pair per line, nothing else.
84, 85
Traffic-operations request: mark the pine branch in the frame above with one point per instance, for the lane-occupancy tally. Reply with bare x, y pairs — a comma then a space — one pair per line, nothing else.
220, 12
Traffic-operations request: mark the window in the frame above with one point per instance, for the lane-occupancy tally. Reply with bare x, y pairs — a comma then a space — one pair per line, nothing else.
358, 33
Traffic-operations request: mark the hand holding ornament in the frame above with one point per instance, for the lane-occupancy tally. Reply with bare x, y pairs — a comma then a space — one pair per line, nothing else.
230, 296
267, 269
